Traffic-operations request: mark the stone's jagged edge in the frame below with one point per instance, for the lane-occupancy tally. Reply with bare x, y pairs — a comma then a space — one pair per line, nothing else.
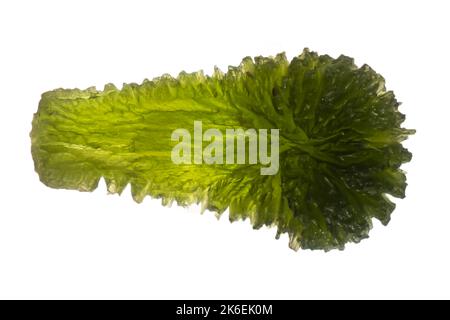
238, 88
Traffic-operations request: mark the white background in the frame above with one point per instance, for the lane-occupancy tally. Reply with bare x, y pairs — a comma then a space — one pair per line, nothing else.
67, 244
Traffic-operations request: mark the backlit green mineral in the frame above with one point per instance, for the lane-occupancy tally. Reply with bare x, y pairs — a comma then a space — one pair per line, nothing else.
339, 144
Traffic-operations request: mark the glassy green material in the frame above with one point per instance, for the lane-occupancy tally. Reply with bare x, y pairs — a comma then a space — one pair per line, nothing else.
340, 144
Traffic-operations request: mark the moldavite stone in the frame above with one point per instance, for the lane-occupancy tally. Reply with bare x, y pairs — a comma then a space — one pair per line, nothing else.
340, 144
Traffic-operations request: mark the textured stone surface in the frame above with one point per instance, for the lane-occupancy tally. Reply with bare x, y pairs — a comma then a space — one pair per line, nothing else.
340, 142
